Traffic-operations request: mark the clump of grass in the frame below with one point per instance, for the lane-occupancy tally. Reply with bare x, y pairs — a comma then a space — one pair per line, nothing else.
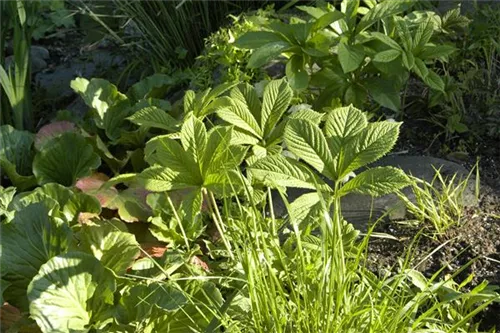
320, 283
440, 201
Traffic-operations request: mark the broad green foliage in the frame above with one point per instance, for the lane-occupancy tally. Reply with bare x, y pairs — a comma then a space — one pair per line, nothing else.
110, 243
28, 241
257, 123
68, 291
362, 50
346, 143
63, 202
16, 155
202, 161
66, 159
206, 102
6, 196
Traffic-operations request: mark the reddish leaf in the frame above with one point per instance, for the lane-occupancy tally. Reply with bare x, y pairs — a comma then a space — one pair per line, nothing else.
155, 250
50, 131
200, 263
9, 315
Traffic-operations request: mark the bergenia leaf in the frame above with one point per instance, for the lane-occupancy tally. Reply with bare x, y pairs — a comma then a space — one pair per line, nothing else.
69, 203
68, 291
52, 130
116, 249
65, 159
6, 196
15, 149
28, 241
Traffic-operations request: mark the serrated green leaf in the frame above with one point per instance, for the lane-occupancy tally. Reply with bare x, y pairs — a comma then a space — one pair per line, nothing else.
276, 99
404, 34
189, 97
344, 123
28, 241
306, 141
408, 60
68, 292
376, 182
350, 56
154, 117
305, 208
219, 138
310, 115
194, 138
246, 94
114, 248
386, 40
376, 140
425, 30
64, 160
276, 170
240, 116
159, 179
266, 53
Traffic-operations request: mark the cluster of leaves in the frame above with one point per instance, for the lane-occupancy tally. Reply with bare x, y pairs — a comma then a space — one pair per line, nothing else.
226, 147
221, 61
53, 15
472, 90
355, 52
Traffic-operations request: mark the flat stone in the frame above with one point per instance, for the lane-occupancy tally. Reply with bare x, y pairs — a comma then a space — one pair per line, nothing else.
56, 84
39, 52
361, 210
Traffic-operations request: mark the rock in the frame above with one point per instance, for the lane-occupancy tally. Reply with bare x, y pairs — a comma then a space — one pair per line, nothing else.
39, 52
56, 84
38, 56
361, 210
38, 65
275, 69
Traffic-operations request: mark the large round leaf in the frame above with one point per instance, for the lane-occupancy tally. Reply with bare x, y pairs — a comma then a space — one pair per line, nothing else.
30, 240
65, 159
115, 248
62, 294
